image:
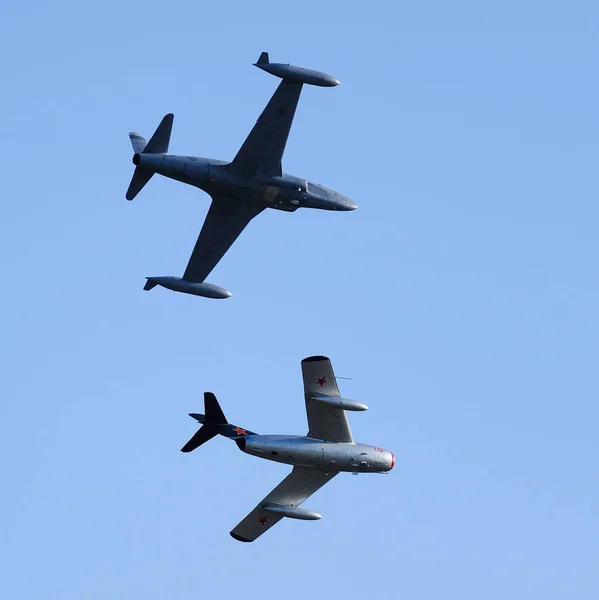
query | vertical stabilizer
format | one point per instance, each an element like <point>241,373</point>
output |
<point>213,412</point>
<point>263,60</point>
<point>159,142</point>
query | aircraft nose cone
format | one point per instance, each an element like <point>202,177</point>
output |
<point>347,204</point>
<point>344,203</point>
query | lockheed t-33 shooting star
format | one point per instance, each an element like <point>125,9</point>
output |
<point>328,449</point>
<point>240,189</point>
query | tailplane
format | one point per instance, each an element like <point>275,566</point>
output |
<point>158,144</point>
<point>214,423</point>
<point>138,142</point>
<point>140,177</point>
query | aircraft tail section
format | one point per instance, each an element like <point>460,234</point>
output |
<point>140,177</point>
<point>158,144</point>
<point>138,142</point>
<point>214,423</point>
<point>214,413</point>
<point>263,59</point>
<point>203,435</point>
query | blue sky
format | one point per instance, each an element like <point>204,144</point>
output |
<point>461,298</point>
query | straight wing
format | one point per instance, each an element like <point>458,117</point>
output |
<point>324,422</point>
<point>225,220</point>
<point>263,149</point>
<point>299,485</point>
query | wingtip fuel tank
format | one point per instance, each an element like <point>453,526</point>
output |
<point>178,284</point>
<point>297,74</point>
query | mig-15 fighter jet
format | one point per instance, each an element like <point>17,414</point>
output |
<point>325,451</point>
<point>240,189</point>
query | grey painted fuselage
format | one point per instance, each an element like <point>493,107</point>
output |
<point>307,452</point>
<point>287,193</point>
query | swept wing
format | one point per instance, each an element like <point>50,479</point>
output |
<point>325,422</point>
<point>299,485</point>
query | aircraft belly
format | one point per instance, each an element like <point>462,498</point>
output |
<point>337,456</point>
<point>195,174</point>
<point>306,452</point>
<point>298,451</point>
<point>277,193</point>
<point>188,169</point>
<point>317,454</point>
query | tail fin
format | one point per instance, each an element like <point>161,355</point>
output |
<point>158,144</point>
<point>213,422</point>
<point>213,418</point>
<point>214,413</point>
<point>263,60</point>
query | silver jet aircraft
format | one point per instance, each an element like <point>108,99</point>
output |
<point>240,189</point>
<point>328,449</point>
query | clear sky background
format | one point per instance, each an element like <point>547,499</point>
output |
<point>461,298</point>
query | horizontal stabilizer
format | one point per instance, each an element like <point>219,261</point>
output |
<point>198,417</point>
<point>137,141</point>
<point>203,435</point>
<point>159,142</point>
<point>140,178</point>
<point>150,285</point>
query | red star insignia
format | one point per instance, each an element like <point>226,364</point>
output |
<point>262,520</point>
<point>240,431</point>
<point>321,381</point>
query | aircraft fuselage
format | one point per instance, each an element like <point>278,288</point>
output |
<point>307,452</point>
<point>286,193</point>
